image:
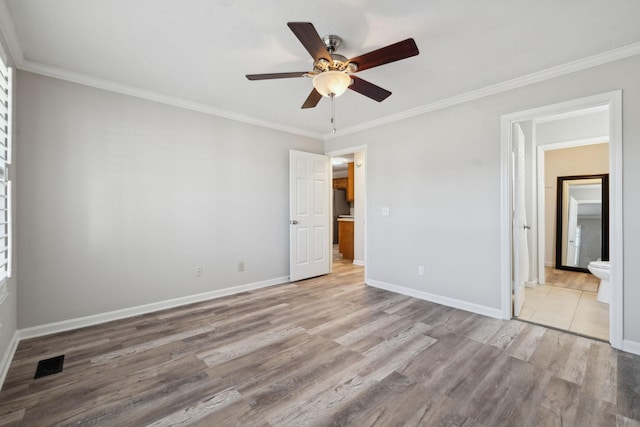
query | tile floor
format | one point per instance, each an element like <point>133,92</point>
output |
<point>569,309</point>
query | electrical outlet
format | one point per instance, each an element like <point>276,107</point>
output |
<point>241,266</point>
<point>198,271</point>
<point>421,270</point>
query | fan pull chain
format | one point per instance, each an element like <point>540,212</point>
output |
<point>333,112</point>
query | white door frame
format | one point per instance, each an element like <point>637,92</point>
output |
<point>519,224</point>
<point>614,101</point>
<point>350,150</point>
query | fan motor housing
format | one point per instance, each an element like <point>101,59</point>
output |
<point>339,62</point>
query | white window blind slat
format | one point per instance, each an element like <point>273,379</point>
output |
<point>9,118</point>
<point>6,76</point>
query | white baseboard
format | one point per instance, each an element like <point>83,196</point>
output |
<point>81,322</point>
<point>631,346</point>
<point>358,262</point>
<point>438,299</point>
<point>8,357</point>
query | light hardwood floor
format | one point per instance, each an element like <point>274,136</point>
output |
<point>325,351</point>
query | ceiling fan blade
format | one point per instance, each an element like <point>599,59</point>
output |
<point>369,89</point>
<point>308,36</point>
<point>394,52</point>
<point>276,75</point>
<point>313,99</point>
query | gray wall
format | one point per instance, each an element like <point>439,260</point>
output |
<point>572,129</point>
<point>423,168</point>
<point>121,198</point>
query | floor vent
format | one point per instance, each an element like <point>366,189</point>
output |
<point>49,366</point>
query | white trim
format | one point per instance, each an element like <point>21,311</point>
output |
<point>616,235</point>
<point>348,150</point>
<point>81,322</point>
<point>603,139</point>
<point>539,76</point>
<point>9,32</point>
<point>614,101</point>
<point>631,346</point>
<point>8,357</point>
<point>505,217</point>
<point>358,262</point>
<point>438,299</point>
<point>9,228</point>
<point>571,114</point>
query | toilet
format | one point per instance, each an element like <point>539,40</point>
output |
<point>600,269</point>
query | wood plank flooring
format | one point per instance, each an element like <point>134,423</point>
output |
<point>324,351</point>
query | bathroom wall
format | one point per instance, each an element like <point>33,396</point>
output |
<point>584,160</point>
<point>591,236</point>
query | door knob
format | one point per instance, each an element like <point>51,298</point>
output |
<point>293,222</point>
<point>527,227</point>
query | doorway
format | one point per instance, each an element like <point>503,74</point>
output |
<point>516,286</point>
<point>349,206</point>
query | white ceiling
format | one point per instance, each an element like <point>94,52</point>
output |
<point>196,53</point>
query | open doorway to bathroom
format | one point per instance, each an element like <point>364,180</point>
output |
<point>572,174</point>
<point>550,279</point>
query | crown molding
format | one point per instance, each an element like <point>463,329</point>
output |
<point>108,85</point>
<point>8,31</point>
<point>539,76</point>
<point>10,36</point>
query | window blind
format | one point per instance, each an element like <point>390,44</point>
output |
<point>5,184</point>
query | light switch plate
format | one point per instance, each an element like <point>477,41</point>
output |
<point>385,211</point>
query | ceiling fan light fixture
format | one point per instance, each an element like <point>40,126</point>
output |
<point>331,82</point>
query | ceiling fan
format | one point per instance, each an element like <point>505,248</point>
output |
<point>333,73</point>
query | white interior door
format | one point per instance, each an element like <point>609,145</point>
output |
<point>520,227</point>
<point>309,215</point>
<point>572,237</point>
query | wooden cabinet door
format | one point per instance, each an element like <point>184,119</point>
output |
<point>345,239</point>
<point>340,183</point>
<point>350,182</point>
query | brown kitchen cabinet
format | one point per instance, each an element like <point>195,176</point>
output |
<point>350,180</point>
<point>340,183</point>
<point>345,239</point>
